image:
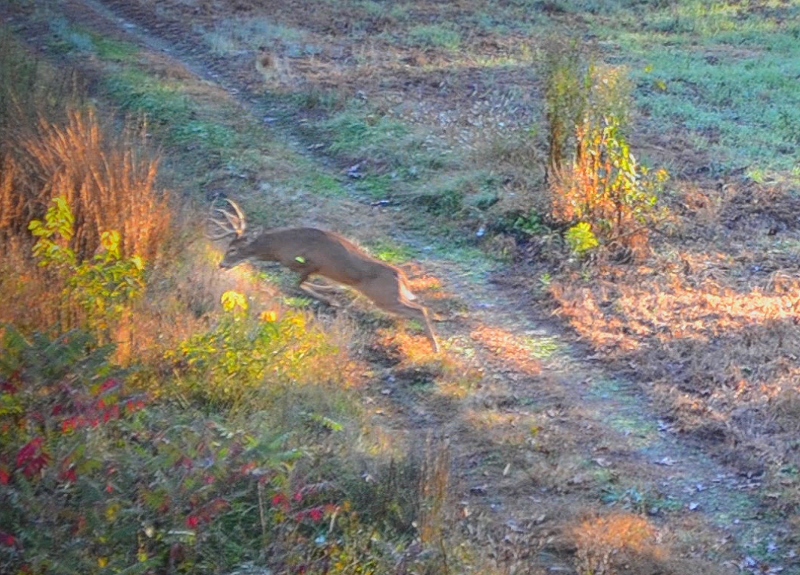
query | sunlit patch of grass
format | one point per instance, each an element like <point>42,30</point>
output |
<point>392,253</point>
<point>509,347</point>
<point>605,542</point>
<point>544,347</point>
<point>414,349</point>
<point>423,283</point>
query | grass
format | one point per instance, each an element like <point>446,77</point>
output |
<point>722,74</point>
<point>713,97</point>
<point>358,132</point>
<point>234,36</point>
<point>434,36</point>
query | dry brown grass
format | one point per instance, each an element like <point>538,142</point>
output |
<point>711,327</point>
<point>26,290</point>
<point>434,487</point>
<point>606,543</point>
<point>109,182</point>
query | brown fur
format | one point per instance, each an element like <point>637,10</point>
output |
<point>310,251</point>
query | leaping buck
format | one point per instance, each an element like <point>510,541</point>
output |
<point>309,251</point>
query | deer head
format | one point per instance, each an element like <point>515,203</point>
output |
<point>234,225</point>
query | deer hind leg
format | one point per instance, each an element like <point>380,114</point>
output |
<point>411,310</point>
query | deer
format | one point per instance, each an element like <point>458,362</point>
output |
<point>310,251</point>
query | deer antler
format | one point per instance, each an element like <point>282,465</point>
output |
<point>235,224</point>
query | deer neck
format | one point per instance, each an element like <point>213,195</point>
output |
<point>264,247</point>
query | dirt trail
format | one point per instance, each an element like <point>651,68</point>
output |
<point>538,389</point>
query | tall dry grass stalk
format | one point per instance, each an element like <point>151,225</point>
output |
<point>434,488</point>
<point>109,182</point>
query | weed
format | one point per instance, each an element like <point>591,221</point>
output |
<point>580,239</point>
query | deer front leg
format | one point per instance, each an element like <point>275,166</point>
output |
<point>315,294</point>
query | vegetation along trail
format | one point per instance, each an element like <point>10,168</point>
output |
<point>564,413</point>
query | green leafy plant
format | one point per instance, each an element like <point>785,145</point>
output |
<point>235,359</point>
<point>530,224</point>
<point>97,292</point>
<point>580,239</point>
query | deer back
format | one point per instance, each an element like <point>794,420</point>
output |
<point>313,251</point>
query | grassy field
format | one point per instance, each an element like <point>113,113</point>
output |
<point>161,416</point>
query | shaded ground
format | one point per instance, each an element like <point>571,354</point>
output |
<point>543,434</point>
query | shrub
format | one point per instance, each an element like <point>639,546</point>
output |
<point>96,292</point>
<point>242,354</point>
<point>94,477</point>
<point>593,176</point>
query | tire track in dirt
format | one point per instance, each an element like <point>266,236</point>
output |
<point>603,422</point>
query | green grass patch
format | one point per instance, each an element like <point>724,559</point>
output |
<point>67,38</point>
<point>391,252</point>
<point>324,184</point>
<point>164,103</point>
<point>377,186</point>
<point>745,107</point>
<point>113,50</point>
<point>722,72</point>
<point>357,132</point>
<point>434,36</point>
